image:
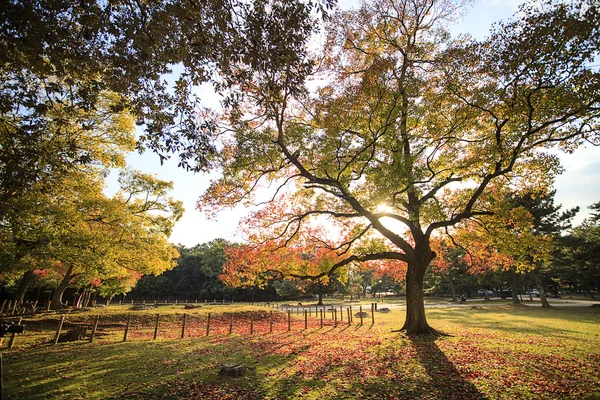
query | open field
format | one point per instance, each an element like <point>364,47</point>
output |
<point>499,352</point>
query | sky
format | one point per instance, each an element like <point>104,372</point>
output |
<point>578,185</point>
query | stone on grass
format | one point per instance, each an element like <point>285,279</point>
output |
<point>141,307</point>
<point>232,370</point>
<point>384,310</point>
<point>363,314</point>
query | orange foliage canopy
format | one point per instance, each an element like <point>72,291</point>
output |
<point>255,264</point>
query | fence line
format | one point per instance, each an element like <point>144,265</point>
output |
<point>265,322</point>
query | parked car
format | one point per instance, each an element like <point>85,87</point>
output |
<point>482,292</point>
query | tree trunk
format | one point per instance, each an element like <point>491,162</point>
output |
<point>92,298</point>
<point>416,322</point>
<point>58,293</point>
<point>540,285</point>
<point>452,288</point>
<point>320,302</point>
<point>26,281</point>
<point>514,288</point>
<point>78,297</point>
<point>502,295</point>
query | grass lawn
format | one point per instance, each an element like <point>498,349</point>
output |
<point>500,352</point>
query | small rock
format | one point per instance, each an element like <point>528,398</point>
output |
<point>384,310</point>
<point>363,314</point>
<point>192,306</point>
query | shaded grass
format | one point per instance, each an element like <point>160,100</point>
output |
<point>496,353</point>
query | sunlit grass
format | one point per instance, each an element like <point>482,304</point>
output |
<point>500,352</point>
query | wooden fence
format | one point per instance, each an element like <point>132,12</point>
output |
<point>285,319</point>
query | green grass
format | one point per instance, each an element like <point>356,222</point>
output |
<point>500,352</point>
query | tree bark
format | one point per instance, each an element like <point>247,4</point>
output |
<point>452,288</point>
<point>514,288</point>
<point>26,281</point>
<point>58,293</point>
<point>416,322</point>
<point>320,302</point>
<point>540,285</point>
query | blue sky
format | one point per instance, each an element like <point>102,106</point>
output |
<point>577,186</point>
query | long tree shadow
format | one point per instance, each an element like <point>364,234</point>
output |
<point>446,382</point>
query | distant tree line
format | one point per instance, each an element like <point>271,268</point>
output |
<point>563,259</point>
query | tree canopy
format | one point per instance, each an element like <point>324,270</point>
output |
<point>411,126</point>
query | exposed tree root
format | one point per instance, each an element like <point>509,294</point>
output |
<point>426,331</point>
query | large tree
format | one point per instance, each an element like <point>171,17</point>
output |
<point>45,164</point>
<point>98,238</point>
<point>413,131</point>
<point>548,221</point>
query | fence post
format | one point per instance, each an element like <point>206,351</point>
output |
<point>373,307</point>
<point>94,328</point>
<point>208,325</point>
<point>156,326</point>
<point>335,317</point>
<point>349,316</point>
<point>11,341</point>
<point>289,321</point>
<point>60,324</point>
<point>183,326</point>
<point>127,328</point>
<point>341,313</point>
<point>321,318</point>
<point>251,324</point>
<point>270,321</point>
<point>361,316</point>
<point>231,324</point>
<point>305,319</point>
